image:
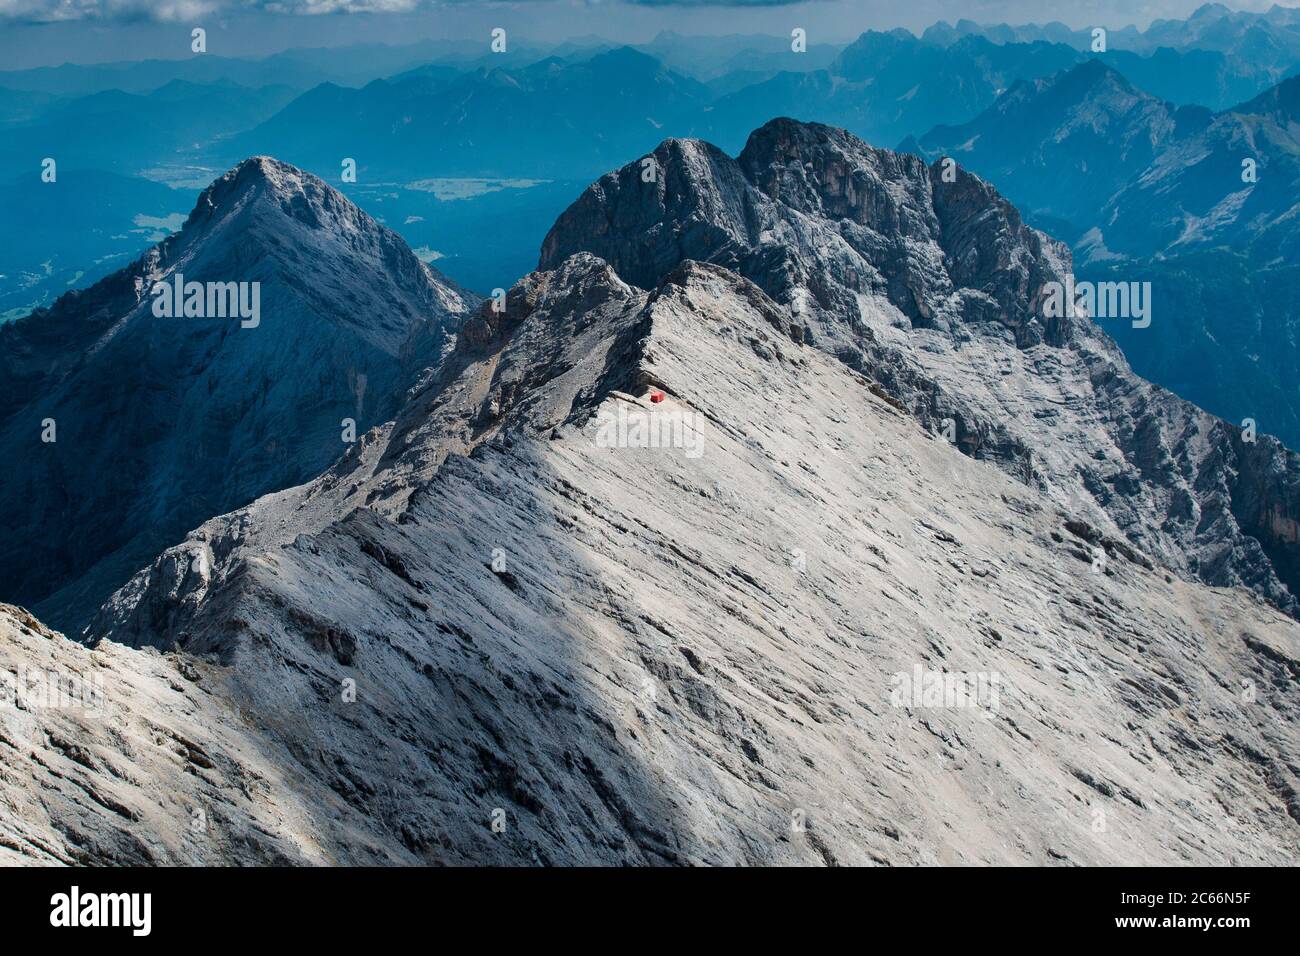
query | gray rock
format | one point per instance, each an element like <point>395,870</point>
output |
<point>644,656</point>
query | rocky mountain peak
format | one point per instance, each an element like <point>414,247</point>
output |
<point>257,172</point>
<point>288,313</point>
<point>261,178</point>
<point>1207,11</point>
<point>929,282</point>
<point>254,197</point>
<point>820,220</point>
<point>829,171</point>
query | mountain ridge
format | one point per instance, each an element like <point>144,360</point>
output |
<point>570,700</point>
<point>881,256</point>
<point>499,630</point>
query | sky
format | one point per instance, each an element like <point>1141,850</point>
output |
<point>50,32</point>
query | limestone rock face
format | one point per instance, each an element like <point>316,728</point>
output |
<point>119,757</point>
<point>935,290</point>
<point>162,422</point>
<point>570,651</point>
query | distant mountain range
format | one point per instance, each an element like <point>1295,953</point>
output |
<point>1204,205</point>
<point>1128,153</point>
<point>562,116</point>
<point>550,119</point>
<point>1270,38</point>
<point>297,68</point>
<point>113,131</point>
<point>1088,147</point>
<point>1236,182</point>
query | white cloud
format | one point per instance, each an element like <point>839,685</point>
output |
<point>53,11</point>
<point>983,11</point>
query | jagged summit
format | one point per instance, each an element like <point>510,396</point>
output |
<point>246,178</point>
<point>927,280</point>
<point>299,194</point>
<point>1207,10</point>
<point>1091,84</point>
<point>257,169</point>
<point>883,223</point>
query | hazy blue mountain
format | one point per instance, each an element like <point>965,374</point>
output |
<point>554,119</point>
<point>127,132</point>
<point>570,116</point>
<point>1215,58</point>
<point>881,87</point>
<point>944,33</point>
<point>1063,146</point>
<point>885,86</point>
<point>1145,177</point>
<point>909,82</point>
<point>1270,38</point>
<point>72,232</point>
<point>357,64</point>
<point>1151,192</point>
<point>298,68</point>
<point>1196,194</point>
<point>1224,257</point>
<point>713,57</point>
<point>738,80</point>
<point>72,80</point>
<point>559,118</point>
<point>23,106</point>
<point>1196,77</point>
